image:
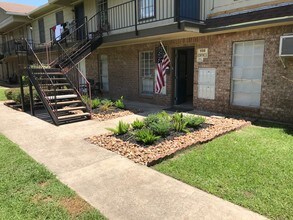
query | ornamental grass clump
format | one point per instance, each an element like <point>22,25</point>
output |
<point>122,128</point>
<point>161,127</point>
<point>96,103</point>
<point>137,124</point>
<point>179,124</point>
<point>146,136</point>
<point>194,121</point>
<point>119,103</point>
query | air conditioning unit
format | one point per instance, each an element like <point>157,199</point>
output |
<point>286,46</point>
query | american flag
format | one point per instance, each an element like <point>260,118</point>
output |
<point>163,63</point>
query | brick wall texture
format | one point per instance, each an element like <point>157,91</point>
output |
<point>277,82</point>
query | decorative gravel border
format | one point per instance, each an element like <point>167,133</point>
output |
<point>112,114</point>
<point>168,147</point>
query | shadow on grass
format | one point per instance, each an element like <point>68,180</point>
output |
<point>287,128</point>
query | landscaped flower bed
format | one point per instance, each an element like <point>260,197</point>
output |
<point>106,109</point>
<point>160,136</point>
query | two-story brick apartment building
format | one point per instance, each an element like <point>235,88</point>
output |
<point>224,54</point>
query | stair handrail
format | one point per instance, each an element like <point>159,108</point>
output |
<point>89,101</point>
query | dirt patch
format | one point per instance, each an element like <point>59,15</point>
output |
<point>43,184</point>
<point>167,147</point>
<point>75,205</point>
<point>41,198</point>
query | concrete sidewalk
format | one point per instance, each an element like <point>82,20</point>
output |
<point>117,187</point>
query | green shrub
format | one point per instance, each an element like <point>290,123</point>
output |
<point>162,127</point>
<point>179,124</point>
<point>119,103</point>
<point>193,121</point>
<point>106,105</point>
<point>96,103</point>
<point>15,95</point>
<point>154,118</point>
<point>86,99</point>
<point>122,128</point>
<point>146,136</point>
<point>137,124</point>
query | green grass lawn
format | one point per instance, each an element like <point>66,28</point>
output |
<point>29,191</point>
<point>252,167</point>
<point>2,95</point>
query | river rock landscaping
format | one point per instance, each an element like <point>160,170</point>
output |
<point>106,109</point>
<point>161,135</point>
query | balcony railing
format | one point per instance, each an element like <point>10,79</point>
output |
<point>131,16</point>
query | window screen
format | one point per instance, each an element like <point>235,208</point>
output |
<point>59,17</point>
<point>247,73</point>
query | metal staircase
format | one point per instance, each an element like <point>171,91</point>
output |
<point>61,86</point>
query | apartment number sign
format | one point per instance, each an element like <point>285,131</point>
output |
<point>202,53</point>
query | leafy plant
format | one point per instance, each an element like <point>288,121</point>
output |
<point>162,127</point>
<point>119,103</point>
<point>15,95</point>
<point>137,124</point>
<point>96,103</point>
<point>106,105</point>
<point>122,128</point>
<point>193,121</point>
<point>146,136</point>
<point>154,118</point>
<point>179,124</point>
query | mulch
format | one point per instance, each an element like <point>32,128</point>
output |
<point>126,146</point>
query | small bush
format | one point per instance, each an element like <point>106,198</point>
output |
<point>119,103</point>
<point>146,136</point>
<point>194,121</point>
<point>106,105</point>
<point>154,118</point>
<point>15,95</point>
<point>122,128</point>
<point>179,124</point>
<point>137,124</point>
<point>96,103</point>
<point>162,127</point>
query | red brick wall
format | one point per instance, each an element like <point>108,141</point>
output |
<point>277,82</point>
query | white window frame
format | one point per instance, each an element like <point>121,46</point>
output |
<point>102,74</point>
<point>147,66</point>
<point>147,9</point>
<point>232,102</point>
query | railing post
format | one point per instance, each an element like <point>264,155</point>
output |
<point>21,92</point>
<point>177,12</point>
<point>31,98</point>
<point>135,16</point>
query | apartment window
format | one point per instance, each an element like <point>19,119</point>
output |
<point>42,30</point>
<point>104,73</point>
<point>146,72</point>
<point>247,73</point>
<point>146,9</point>
<point>59,17</point>
<point>102,6</point>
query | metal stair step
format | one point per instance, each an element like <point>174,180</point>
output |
<point>67,102</point>
<point>58,97</point>
<point>57,90</point>
<point>73,116</point>
<point>57,84</point>
<point>49,74</point>
<point>71,109</point>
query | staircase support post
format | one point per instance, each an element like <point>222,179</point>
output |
<point>21,92</point>
<point>32,104</point>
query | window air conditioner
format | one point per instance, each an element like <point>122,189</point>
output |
<point>286,46</point>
